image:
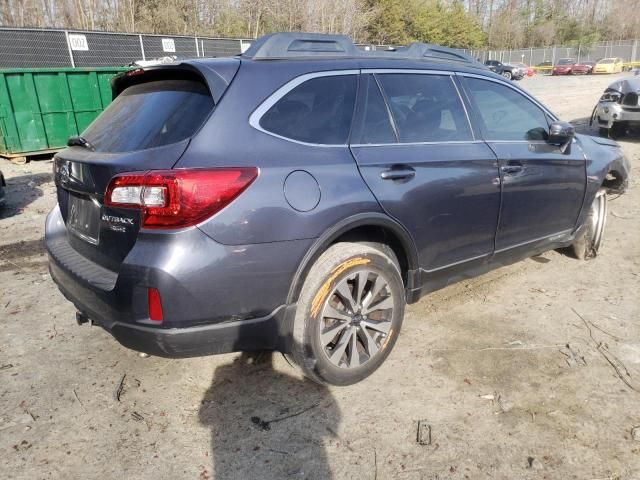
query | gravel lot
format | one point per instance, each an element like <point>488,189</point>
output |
<point>519,372</point>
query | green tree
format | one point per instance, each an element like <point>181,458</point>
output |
<point>387,24</point>
<point>449,25</point>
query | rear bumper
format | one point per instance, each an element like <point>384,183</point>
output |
<point>215,298</point>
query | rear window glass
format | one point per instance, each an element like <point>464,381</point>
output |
<point>373,125</point>
<point>426,108</point>
<point>316,111</point>
<point>151,115</point>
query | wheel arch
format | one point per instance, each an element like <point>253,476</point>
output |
<point>371,227</point>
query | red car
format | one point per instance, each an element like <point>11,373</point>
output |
<point>563,67</point>
<point>525,68</point>
<point>583,68</point>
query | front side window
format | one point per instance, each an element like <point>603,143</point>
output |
<point>507,114</point>
<point>316,111</point>
<point>426,108</point>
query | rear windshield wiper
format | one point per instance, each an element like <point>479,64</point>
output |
<point>79,141</point>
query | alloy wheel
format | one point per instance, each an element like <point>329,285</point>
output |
<point>356,319</point>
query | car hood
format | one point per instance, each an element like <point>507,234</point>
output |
<point>605,141</point>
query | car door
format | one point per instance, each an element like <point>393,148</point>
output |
<point>418,154</point>
<point>542,186</point>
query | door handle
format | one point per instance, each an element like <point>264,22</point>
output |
<point>404,173</point>
<point>511,169</point>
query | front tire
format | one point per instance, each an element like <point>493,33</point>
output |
<point>349,313</point>
<point>589,242</point>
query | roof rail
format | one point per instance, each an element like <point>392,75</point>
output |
<point>305,45</point>
<point>430,50</point>
<point>299,44</point>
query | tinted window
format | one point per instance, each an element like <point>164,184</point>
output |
<point>426,108</point>
<point>373,124</point>
<point>150,115</point>
<point>316,111</point>
<point>506,114</point>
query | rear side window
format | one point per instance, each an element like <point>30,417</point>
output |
<point>507,114</point>
<point>150,115</point>
<point>373,123</point>
<point>317,111</point>
<point>426,108</point>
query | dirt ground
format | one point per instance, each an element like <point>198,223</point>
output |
<point>529,372</point>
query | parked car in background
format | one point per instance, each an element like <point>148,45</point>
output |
<point>508,71</point>
<point>3,184</point>
<point>528,71</point>
<point>564,66</point>
<point>618,109</point>
<point>297,196</point>
<point>583,68</point>
<point>609,65</point>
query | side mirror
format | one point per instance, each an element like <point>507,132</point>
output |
<point>561,134</point>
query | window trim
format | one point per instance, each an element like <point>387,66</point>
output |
<point>548,113</point>
<point>442,73</point>
<point>275,97</point>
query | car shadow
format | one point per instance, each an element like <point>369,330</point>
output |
<point>583,127</point>
<point>267,424</point>
<point>21,191</point>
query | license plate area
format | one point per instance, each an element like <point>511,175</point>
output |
<point>83,218</point>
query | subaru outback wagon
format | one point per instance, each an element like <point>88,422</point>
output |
<point>296,197</point>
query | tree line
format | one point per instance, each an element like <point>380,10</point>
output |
<point>494,24</point>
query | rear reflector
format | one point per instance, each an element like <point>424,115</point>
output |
<point>178,198</point>
<point>155,305</point>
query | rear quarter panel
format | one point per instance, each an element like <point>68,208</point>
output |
<point>262,214</point>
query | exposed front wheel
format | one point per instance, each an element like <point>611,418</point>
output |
<point>617,130</point>
<point>507,75</point>
<point>349,313</point>
<point>589,242</point>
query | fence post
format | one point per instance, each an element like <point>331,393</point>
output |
<point>197,47</point>
<point>579,46</point>
<point>553,55</point>
<point>531,57</point>
<point>634,50</point>
<point>66,35</point>
<point>142,47</point>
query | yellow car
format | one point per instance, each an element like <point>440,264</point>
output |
<point>609,65</point>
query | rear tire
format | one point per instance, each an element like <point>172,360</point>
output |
<point>507,75</point>
<point>349,313</point>
<point>587,245</point>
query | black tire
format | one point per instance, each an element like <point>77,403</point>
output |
<point>588,243</point>
<point>603,132</point>
<point>617,130</point>
<point>332,271</point>
<point>507,74</point>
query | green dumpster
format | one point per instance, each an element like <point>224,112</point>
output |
<point>40,108</point>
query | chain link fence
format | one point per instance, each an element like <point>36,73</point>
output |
<point>628,50</point>
<point>33,48</point>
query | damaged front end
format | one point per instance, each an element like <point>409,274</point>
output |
<point>618,109</point>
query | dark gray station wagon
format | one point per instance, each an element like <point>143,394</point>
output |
<point>296,197</point>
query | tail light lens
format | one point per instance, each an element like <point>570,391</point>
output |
<point>178,198</point>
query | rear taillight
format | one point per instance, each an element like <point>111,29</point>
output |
<point>178,198</point>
